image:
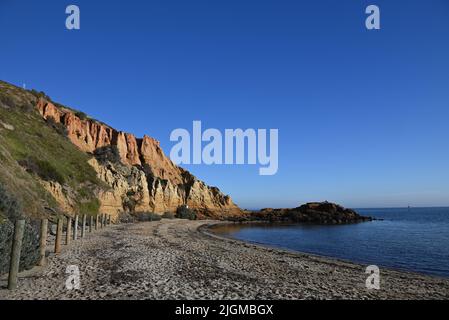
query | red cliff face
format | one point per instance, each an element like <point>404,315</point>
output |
<point>160,165</point>
<point>157,184</point>
<point>89,135</point>
<point>127,146</point>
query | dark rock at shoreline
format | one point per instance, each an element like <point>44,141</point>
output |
<point>313,212</point>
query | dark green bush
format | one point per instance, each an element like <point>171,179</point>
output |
<point>27,107</point>
<point>107,153</point>
<point>10,211</point>
<point>183,212</point>
<point>30,245</point>
<point>57,126</point>
<point>81,115</point>
<point>40,94</point>
<point>89,207</point>
<point>10,208</point>
<point>42,168</point>
<point>168,215</point>
<point>126,217</point>
<point>130,193</point>
<point>146,216</point>
<point>129,204</point>
<point>6,100</point>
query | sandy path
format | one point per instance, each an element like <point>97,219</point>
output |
<point>171,259</point>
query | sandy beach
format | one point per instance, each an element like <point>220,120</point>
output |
<point>179,259</point>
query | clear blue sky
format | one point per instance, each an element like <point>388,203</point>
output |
<point>363,116</point>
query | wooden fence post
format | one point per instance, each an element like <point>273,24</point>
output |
<point>83,230</point>
<point>96,222</point>
<point>68,235</point>
<point>91,223</point>
<point>58,236</point>
<point>101,221</point>
<point>75,228</point>
<point>19,229</point>
<point>43,243</point>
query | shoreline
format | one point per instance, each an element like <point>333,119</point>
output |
<point>204,229</point>
<point>175,259</point>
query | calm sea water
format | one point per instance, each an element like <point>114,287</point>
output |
<point>415,239</point>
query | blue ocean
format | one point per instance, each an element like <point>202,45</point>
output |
<point>413,239</point>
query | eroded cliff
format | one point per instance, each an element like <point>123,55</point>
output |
<point>139,175</point>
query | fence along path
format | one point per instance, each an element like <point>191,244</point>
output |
<point>70,224</point>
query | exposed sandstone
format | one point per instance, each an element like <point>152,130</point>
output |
<point>145,179</point>
<point>64,199</point>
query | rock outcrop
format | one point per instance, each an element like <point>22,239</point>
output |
<point>313,212</point>
<point>143,178</point>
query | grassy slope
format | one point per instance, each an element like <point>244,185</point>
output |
<point>53,154</point>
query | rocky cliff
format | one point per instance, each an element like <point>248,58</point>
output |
<point>139,175</point>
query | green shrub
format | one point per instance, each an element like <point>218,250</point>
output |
<point>10,211</point>
<point>6,100</point>
<point>89,207</point>
<point>40,94</point>
<point>81,115</point>
<point>183,212</point>
<point>10,208</point>
<point>126,217</point>
<point>168,215</point>
<point>147,216</point>
<point>129,204</point>
<point>27,107</point>
<point>84,193</point>
<point>57,126</point>
<point>130,193</point>
<point>30,245</point>
<point>107,153</point>
<point>42,168</point>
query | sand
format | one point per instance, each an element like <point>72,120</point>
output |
<point>178,259</point>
